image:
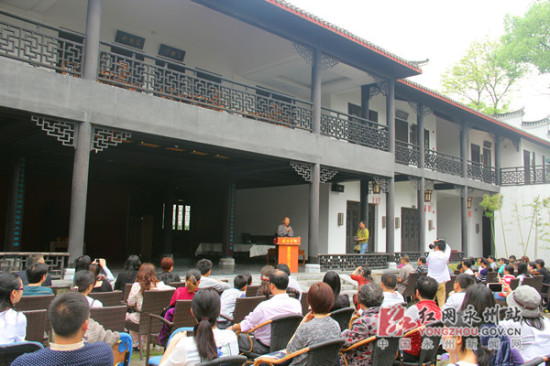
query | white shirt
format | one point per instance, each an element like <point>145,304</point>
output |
<point>437,264</point>
<point>228,301</point>
<point>534,342</point>
<point>209,282</point>
<point>292,283</point>
<point>94,303</point>
<point>392,299</point>
<point>186,353</point>
<point>469,272</point>
<point>13,326</point>
<point>454,301</point>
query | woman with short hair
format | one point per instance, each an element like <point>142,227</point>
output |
<point>167,276</point>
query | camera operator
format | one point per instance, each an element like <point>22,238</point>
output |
<point>437,267</point>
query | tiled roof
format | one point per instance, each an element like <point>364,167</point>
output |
<point>530,124</point>
<point>343,32</point>
<point>519,112</point>
<point>486,117</point>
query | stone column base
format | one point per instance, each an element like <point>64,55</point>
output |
<point>227,261</point>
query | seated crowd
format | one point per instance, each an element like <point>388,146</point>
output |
<point>505,317</point>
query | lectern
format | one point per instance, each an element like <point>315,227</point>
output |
<point>288,251</point>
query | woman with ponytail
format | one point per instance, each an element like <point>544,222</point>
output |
<point>192,280</point>
<point>208,342</point>
<point>13,324</point>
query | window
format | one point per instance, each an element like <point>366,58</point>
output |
<point>181,217</point>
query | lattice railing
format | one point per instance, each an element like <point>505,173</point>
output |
<point>480,172</point>
<point>443,163</point>
<point>40,44</point>
<point>354,129</point>
<point>539,174</point>
<point>16,261</point>
<point>407,154</point>
<point>178,82</point>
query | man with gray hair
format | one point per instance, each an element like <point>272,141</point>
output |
<point>404,272</point>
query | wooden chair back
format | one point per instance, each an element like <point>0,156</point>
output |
<point>111,298</point>
<point>111,317</point>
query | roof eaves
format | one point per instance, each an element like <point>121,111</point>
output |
<point>344,33</point>
<point>491,119</point>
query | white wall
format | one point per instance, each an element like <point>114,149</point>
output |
<point>475,228</point>
<point>338,204</point>
<point>516,217</point>
<point>478,137</point>
<point>260,210</point>
<point>449,227</point>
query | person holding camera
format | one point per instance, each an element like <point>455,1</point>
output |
<point>437,267</point>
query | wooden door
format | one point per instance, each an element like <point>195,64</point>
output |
<point>352,224</point>
<point>409,229</point>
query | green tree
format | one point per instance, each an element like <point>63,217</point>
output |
<point>483,78</point>
<point>527,38</point>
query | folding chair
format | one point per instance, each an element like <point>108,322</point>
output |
<point>9,352</point>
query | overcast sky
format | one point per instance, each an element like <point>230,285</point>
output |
<point>441,30</point>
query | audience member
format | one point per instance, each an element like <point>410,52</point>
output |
<point>146,279</point>
<point>264,290</point>
<point>389,283</point>
<point>370,298</point>
<point>459,268</point>
<point>36,275</point>
<point>248,278</point>
<point>229,299</point>
<point>85,281</point>
<point>332,279</point>
<point>101,283</point>
<point>532,267</point>
<point>362,276</point>
<point>475,264</point>
<point>505,282</point>
<point>33,259</point>
<point>82,262</point>
<point>205,268</point>
<point>459,344</point>
<point>512,260</point>
<point>13,324</point>
<point>523,272</point>
<point>105,272</point>
<point>534,328</point>
<point>279,304</point>
<point>479,300</point>
<point>492,263</point>
<point>437,267</point>
<point>128,275</point>
<point>404,272</point>
<point>545,275</point>
<point>208,342</point>
<point>167,276</point>
<point>525,259</point>
<point>97,333</point>
<point>69,315</point>
<point>467,267</point>
<point>424,312</point>
<point>294,289</point>
<point>461,284</point>
<point>502,262</point>
<point>422,268</point>
<point>317,326</point>
<point>192,282</point>
<point>482,274</point>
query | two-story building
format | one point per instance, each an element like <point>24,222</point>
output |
<point>195,126</point>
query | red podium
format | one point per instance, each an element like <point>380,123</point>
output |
<point>288,251</point>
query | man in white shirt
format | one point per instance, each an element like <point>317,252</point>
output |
<point>388,283</point>
<point>280,304</point>
<point>205,268</point>
<point>467,266</point>
<point>437,267</point>
<point>455,300</point>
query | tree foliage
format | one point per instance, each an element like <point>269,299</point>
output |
<point>483,78</point>
<point>527,38</point>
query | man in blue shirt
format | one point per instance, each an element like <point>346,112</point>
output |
<point>69,314</point>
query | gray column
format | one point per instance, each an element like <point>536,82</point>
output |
<point>16,203</point>
<point>316,91</point>
<point>497,160</point>
<point>390,216</point>
<point>313,235</point>
<point>364,207</point>
<point>365,99</point>
<point>464,220</point>
<point>464,149</point>
<point>390,114</point>
<point>420,134</point>
<point>91,48</point>
<point>421,215</point>
<point>79,190</point>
